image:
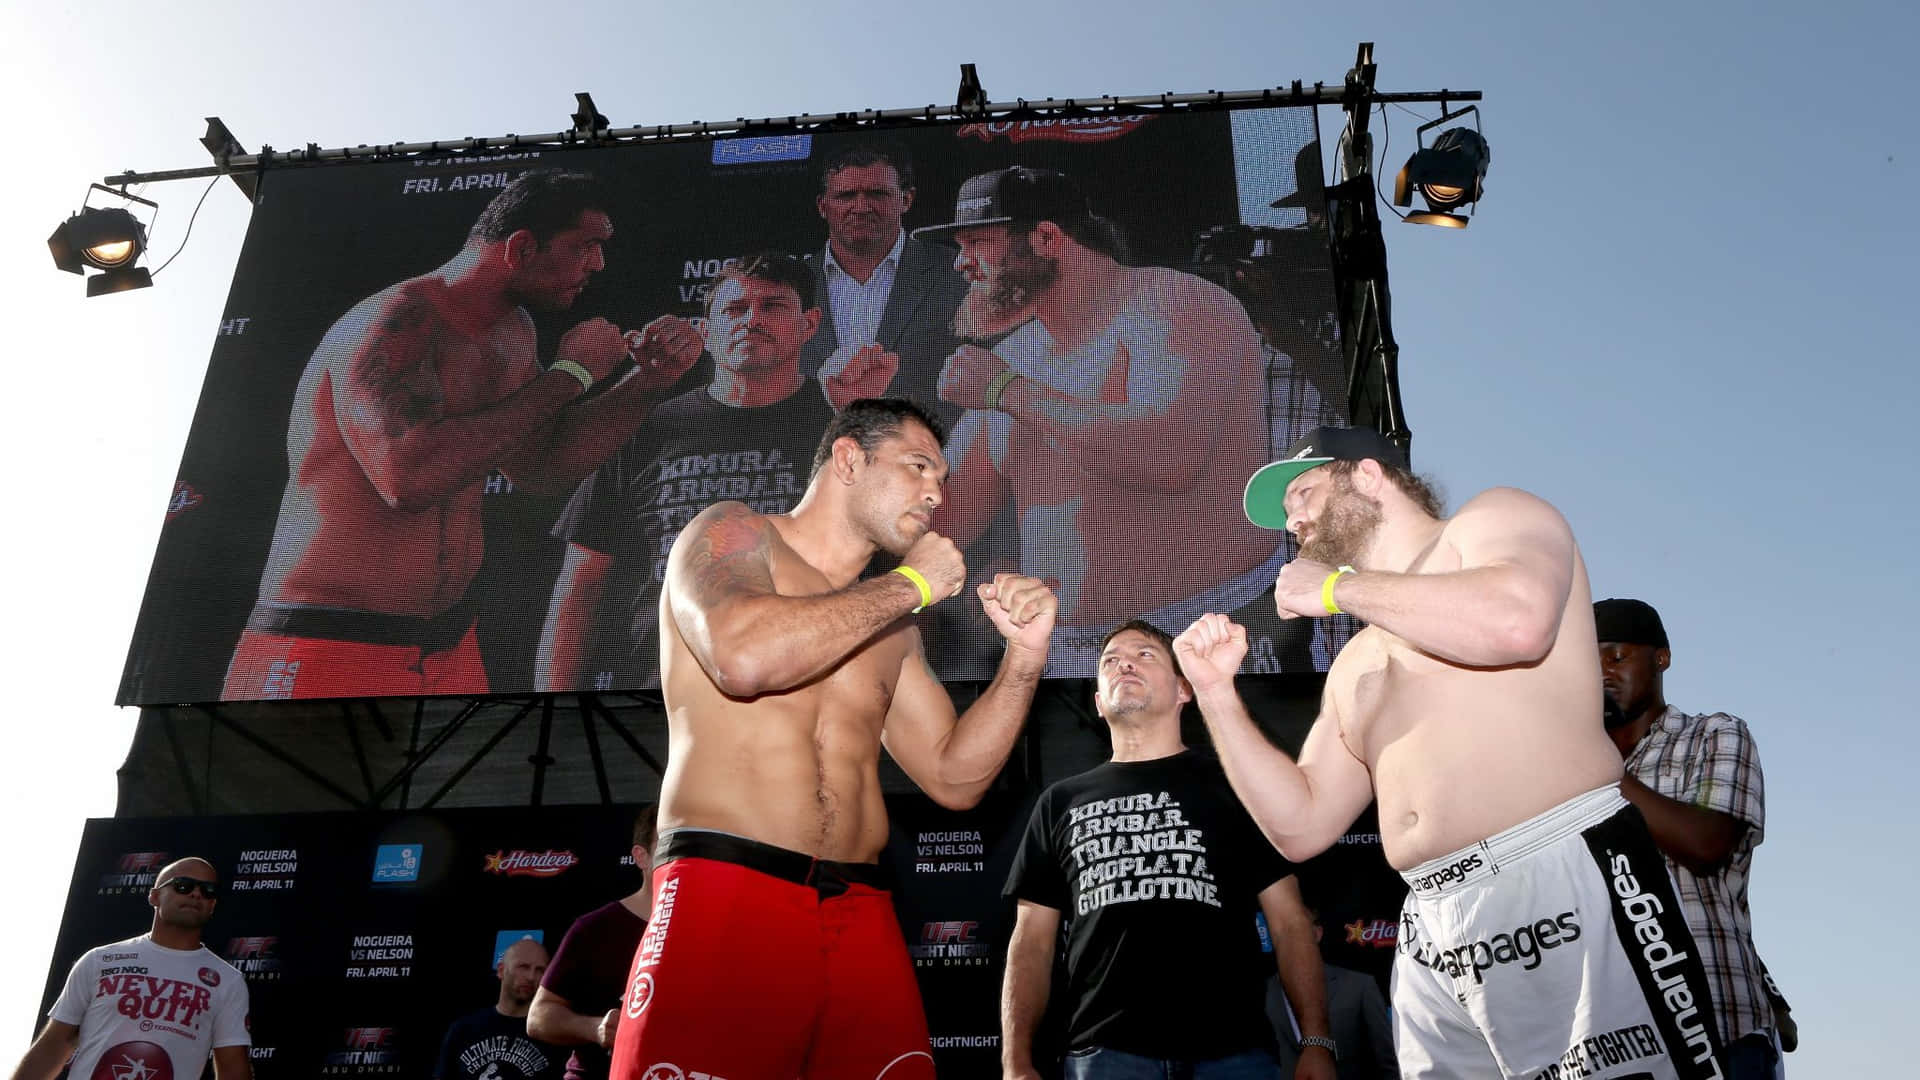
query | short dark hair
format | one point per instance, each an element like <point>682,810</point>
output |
<point>769,266</point>
<point>646,826</point>
<point>544,203</point>
<point>1095,233</point>
<point>1142,626</point>
<point>860,155</point>
<point>1424,493</point>
<point>870,420</point>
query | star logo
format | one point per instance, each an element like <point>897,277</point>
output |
<point>1357,932</point>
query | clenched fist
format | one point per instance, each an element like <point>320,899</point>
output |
<point>663,350</point>
<point>866,374</point>
<point>966,374</point>
<point>1022,609</point>
<point>937,559</point>
<point>596,345</point>
<point>1296,594</point>
<point>1210,651</point>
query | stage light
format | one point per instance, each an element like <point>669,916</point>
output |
<point>1448,175</point>
<point>109,239</point>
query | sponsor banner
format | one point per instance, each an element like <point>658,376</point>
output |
<point>1218,344</point>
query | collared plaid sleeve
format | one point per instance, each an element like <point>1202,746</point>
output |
<point>1729,778</point>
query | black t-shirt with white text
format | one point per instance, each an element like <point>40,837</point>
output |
<point>689,453</point>
<point>1156,870</point>
<point>490,1046</point>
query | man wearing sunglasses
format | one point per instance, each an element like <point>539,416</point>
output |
<point>156,1005</point>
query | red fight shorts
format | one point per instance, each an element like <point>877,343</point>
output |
<point>766,964</point>
<point>269,667</point>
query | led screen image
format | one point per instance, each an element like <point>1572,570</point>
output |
<point>460,407</point>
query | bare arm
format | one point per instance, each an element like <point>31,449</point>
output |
<point>954,760</point>
<point>232,1063</point>
<point>49,1052</point>
<point>392,414</point>
<point>1502,607</point>
<point>561,662</point>
<point>551,1019</point>
<point>975,488</point>
<point>581,437</point>
<point>1699,839</point>
<point>1029,980</point>
<point>1300,808</point>
<point>588,431</point>
<point>1298,957</point>
<point>750,639</point>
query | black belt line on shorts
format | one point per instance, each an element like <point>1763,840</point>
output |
<point>824,876</point>
<point>436,634</point>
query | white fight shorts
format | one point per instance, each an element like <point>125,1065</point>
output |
<point>1551,951</point>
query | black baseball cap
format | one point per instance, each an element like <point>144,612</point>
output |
<point>1629,622</point>
<point>1307,185</point>
<point>1006,196</point>
<point>1265,500</point>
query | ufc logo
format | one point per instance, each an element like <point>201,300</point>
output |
<point>948,933</point>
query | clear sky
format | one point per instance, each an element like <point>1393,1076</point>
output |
<point>1683,316</point>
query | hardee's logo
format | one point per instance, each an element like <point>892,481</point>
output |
<point>518,863</point>
<point>1379,933</point>
<point>1075,129</point>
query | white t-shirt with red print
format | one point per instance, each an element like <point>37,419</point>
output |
<point>147,1012</point>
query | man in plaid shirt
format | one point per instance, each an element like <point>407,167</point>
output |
<point>1696,779</point>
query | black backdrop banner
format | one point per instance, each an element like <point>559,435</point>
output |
<point>1192,193</point>
<point>363,936</point>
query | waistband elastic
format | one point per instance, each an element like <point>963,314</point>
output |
<point>436,634</point>
<point>824,876</point>
<point>1475,863</point>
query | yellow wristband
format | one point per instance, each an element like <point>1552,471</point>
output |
<point>999,386</point>
<point>576,369</point>
<point>926,590</point>
<point>1326,590</point>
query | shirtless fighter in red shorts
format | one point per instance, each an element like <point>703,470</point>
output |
<point>411,400</point>
<point>774,952</point>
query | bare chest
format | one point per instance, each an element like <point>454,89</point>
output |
<point>475,373</point>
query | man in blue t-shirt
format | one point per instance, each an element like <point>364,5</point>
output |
<point>1157,875</point>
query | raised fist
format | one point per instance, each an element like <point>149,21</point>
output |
<point>966,374</point>
<point>1021,608</point>
<point>595,345</point>
<point>866,374</point>
<point>1296,593</point>
<point>663,350</point>
<point>1210,651</point>
<point>937,559</point>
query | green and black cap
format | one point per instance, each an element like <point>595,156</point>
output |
<point>1265,501</point>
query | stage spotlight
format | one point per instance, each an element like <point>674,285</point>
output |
<point>109,239</point>
<point>1449,174</point>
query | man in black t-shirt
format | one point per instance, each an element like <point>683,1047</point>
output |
<point>1157,874</point>
<point>493,1044</point>
<point>749,437</point>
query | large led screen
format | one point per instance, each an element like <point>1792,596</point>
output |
<point>460,407</point>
